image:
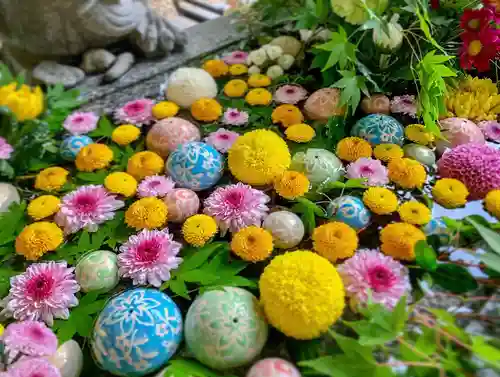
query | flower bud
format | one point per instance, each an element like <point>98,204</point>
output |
<point>392,41</point>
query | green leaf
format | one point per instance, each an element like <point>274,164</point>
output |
<point>351,86</point>
<point>199,276</point>
<point>309,221</point>
<point>235,281</point>
<point>84,241</point>
<point>425,256</point>
<point>371,334</point>
<point>324,365</point>
<point>198,256</point>
<point>189,368</point>
<point>356,183</point>
<point>94,307</point>
<point>5,75</point>
<point>104,128</point>
<point>178,287</point>
<point>456,279</point>
<point>95,178</point>
<point>491,260</point>
<point>491,237</point>
<point>65,330</point>
<point>341,50</point>
<point>84,325</point>
<point>400,315</point>
<point>5,275</point>
<point>486,351</point>
<point>318,211</point>
<point>6,169</point>
<point>353,347</point>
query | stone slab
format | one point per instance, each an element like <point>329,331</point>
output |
<point>195,12</point>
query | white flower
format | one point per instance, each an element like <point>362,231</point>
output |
<point>395,38</point>
<point>320,35</point>
<point>275,71</point>
<point>286,61</point>
<point>257,57</point>
<point>273,52</point>
<point>253,70</point>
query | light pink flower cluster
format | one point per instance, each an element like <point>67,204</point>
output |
<point>491,130</point>
<point>370,169</point>
<point>33,367</point>
<point>29,338</point>
<point>155,185</point>
<point>138,112</point>
<point>222,139</point>
<point>404,105</point>
<point>79,123</point>
<point>235,117</point>
<point>291,94</point>
<point>236,57</point>
<point>5,149</point>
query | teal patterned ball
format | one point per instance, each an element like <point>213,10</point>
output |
<point>349,210</point>
<point>379,129</point>
<point>72,144</point>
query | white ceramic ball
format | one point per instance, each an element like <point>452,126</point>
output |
<point>286,227</point>
<point>8,195</point>
<point>68,359</point>
<point>186,85</point>
<point>273,367</point>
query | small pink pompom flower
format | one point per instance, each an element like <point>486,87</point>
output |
<point>222,139</point>
<point>5,149</point>
<point>235,117</point>
<point>155,185</point>
<point>404,105</point>
<point>491,130</point>
<point>291,94</point>
<point>29,338</point>
<point>138,112</point>
<point>33,367</point>
<point>236,57</point>
<point>370,169</point>
<point>79,123</point>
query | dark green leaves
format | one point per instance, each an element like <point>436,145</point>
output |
<point>96,178</point>
<point>425,256</point>
<point>189,368</point>
<point>492,255</point>
<point>59,99</point>
<point>104,128</point>
<point>308,211</point>
<point>352,86</point>
<point>341,50</point>
<point>454,278</point>
<point>12,222</point>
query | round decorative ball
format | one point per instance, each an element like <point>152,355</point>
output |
<point>8,195</point>
<point>167,134</point>
<point>186,85</point>
<point>225,328</point>
<point>349,210</point>
<point>72,144</point>
<point>437,227</point>
<point>273,367</point>
<point>458,131</point>
<point>319,165</point>
<point>323,104</point>
<point>68,359</point>
<point>420,153</point>
<point>97,270</point>
<point>376,104</point>
<point>136,333</point>
<point>181,204</point>
<point>289,44</point>
<point>286,227</point>
<point>379,129</point>
<point>196,166</point>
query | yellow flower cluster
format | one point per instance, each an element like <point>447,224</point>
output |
<point>335,240</point>
<point>415,213</point>
<point>407,173</point>
<point>259,97</point>
<point>387,152</point>
<point>146,213</point>
<point>492,203</point>
<point>252,244</point>
<point>51,179</point>
<point>235,88</point>
<point>300,133</point>
<point>238,69</point>
<point>143,164</point>
<point>93,157</point>
<point>291,185</point>
<point>380,200</point>
<point>450,193</point>
<point>398,240</point>
<point>216,68</point>
<point>126,134</point>
<point>43,207</point>
<point>121,183</point>
<point>37,239</point>
<point>258,80</point>
<point>206,110</point>
<point>26,103</point>
<point>352,148</point>
<point>165,109</point>
<point>419,134</point>
<point>199,229</point>
<point>287,115</point>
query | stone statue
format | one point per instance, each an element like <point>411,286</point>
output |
<point>35,31</point>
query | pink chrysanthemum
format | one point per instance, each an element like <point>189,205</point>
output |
<point>86,208</point>
<point>5,149</point>
<point>236,57</point>
<point>43,292</point>
<point>222,139</point>
<point>33,367</point>
<point>29,338</point>
<point>236,206</point>
<point>370,169</point>
<point>475,165</point>
<point>79,123</point>
<point>235,117</point>
<point>404,105</point>
<point>155,185</point>
<point>291,94</point>
<point>148,257</point>
<point>370,272</point>
<point>491,130</point>
<point>138,112</point>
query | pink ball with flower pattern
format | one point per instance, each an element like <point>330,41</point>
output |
<point>458,131</point>
<point>273,367</point>
<point>167,134</point>
<point>181,204</point>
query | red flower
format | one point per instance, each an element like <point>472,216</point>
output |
<point>478,49</point>
<point>435,4</point>
<point>474,20</point>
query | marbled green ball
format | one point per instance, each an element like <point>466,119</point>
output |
<point>97,270</point>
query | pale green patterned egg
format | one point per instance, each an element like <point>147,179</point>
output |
<point>97,270</point>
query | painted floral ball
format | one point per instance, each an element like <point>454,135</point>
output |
<point>97,270</point>
<point>8,195</point>
<point>350,210</point>
<point>286,227</point>
<point>319,165</point>
<point>458,131</point>
<point>225,328</point>
<point>167,134</point>
<point>437,227</point>
<point>181,204</point>
<point>136,333</point>
<point>196,166</point>
<point>186,85</point>
<point>273,367</point>
<point>72,144</point>
<point>323,104</point>
<point>379,129</point>
<point>420,153</point>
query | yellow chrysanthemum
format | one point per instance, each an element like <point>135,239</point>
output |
<point>216,68</point>
<point>199,229</point>
<point>258,80</point>
<point>51,179</point>
<point>258,157</point>
<point>165,109</point>
<point>238,69</point>
<point>43,207</point>
<point>121,183</point>
<point>450,193</point>
<point>146,213</point>
<point>302,294</point>
<point>419,134</point>
<point>380,200</point>
<point>352,148</point>
<point>492,203</point>
<point>300,133</point>
<point>252,244</point>
<point>398,240</point>
<point>126,134</point>
<point>235,88</point>
<point>287,115</point>
<point>387,152</point>
<point>291,185</point>
<point>26,103</point>
<point>259,96</point>
<point>2,329</point>
<point>144,164</point>
<point>37,239</point>
<point>407,173</point>
<point>335,240</point>
<point>415,213</point>
<point>93,157</point>
<point>206,110</point>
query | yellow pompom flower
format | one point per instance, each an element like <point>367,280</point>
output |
<point>165,109</point>
<point>238,69</point>
<point>258,157</point>
<point>259,96</point>
<point>206,110</point>
<point>398,240</point>
<point>37,239</point>
<point>51,179</point>
<point>126,134</point>
<point>380,200</point>
<point>407,173</point>
<point>258,80</point>
<point>235,88</point>
<point>252,244</point>
<point>415,213</point>
<point>25,103</point>
<point>146,213</point>
<point>43,207</point>
<point>2,329</point>
<point>216,68</point>
<point>300,133</point>
<point>302,294</point>
<point>93,157</point>
<point>291,185</point>
<point>450,193</point>
<point>197,230</point>
<point>492,203</point>
<point>387,152</point>
<point>287,115</point>
<point>419,134</point>
<point>335,240</point>
<point>143,164</point>
<point>352,148</point>
<point>121,183</point>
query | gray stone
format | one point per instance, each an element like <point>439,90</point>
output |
<point>122,65</point>
<point>51,73</point>
<point>97,60</point>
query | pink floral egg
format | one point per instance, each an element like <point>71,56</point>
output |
<point>181,204</point>
<point>167,134</point>
<point>458,131</point>
<point>273,367</point>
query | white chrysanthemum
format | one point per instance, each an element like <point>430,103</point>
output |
<point>286,61</point>
<point>275,71</point>
<point>253,70</point>
<point>273,52</point>
<point>257,57</point>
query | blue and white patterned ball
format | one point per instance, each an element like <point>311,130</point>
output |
<point>437,227</point>
<point>196,166</point>
<point>137,333</point>
<point>379,129</point>
<point>72,145</point>
<point>350,210</point>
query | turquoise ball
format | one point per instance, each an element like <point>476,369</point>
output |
<point>137,332</point>
<point>350,210</point>
<point>379,129</point>
<point>437,227</point>
<point>72,144</point>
